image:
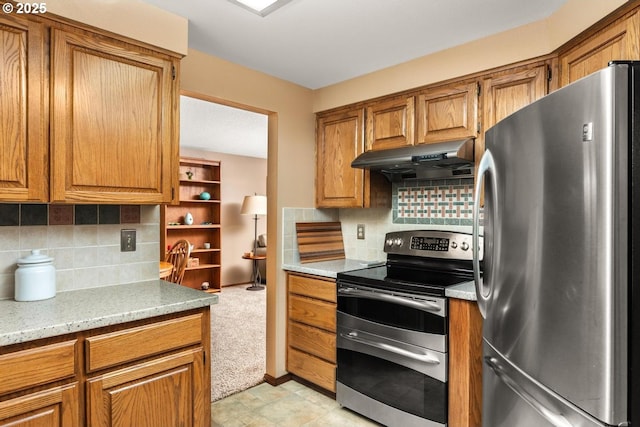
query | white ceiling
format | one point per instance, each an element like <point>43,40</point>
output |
<point>316,43</point>
<point>213,127</point>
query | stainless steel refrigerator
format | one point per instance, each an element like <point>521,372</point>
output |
<point>561,274</point>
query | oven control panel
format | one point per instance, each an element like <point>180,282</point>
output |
<point>431,243</point>
<point>422,243</point>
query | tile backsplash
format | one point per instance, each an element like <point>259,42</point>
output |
<point>377,222</point>
<point>84,241</point>
<point>441,202</point>
<point>290,216</point>
<point>43,214</point>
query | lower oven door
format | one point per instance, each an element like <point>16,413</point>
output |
<point>390,382</point>
<point>392,356</point>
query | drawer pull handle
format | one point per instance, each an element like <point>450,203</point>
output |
<point>408,302</point>
<point>426,358</point>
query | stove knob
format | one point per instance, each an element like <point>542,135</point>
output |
<point>454,245</point>
<point>464,246</point>
<point>398,241</point>
<point>389,242</point>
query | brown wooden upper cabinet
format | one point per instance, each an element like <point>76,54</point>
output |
<point>620,40</point>
<point>23,128</point>
<point>390,123</point>
<point>507,92</point>
<point>447,112</point>
<point>110,134</point>
<point>339,140</point>
<point>111,121</point>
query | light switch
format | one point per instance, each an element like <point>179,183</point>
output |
<point>127,240</point>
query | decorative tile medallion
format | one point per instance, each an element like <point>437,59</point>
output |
<point>444,202</point>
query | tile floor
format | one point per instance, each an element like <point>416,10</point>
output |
<point>288,405</point>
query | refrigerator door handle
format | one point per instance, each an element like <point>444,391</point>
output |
<point>486,166</point>
<point>556,419</point>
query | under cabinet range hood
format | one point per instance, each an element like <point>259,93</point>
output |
<point>450,159</point>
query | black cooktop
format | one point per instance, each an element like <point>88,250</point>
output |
<point>421,262</point>
<point>410,280</point>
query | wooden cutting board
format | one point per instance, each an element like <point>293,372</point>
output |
<point>319,241</point>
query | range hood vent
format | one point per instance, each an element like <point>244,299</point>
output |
<point>451,159</point>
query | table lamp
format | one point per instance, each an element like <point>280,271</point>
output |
<point>254,205</point>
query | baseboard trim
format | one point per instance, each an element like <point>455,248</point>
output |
<point>276,381</point>
<point>313,386</point>
<point>236,284</point>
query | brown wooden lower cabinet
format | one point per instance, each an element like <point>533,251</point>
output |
<point>53,407</point>
<point>169,391</point>
<point>311,329</point>
<point>465,364</point>
<point>149,373</point>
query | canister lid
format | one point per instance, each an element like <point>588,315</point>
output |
<point>35,258</point>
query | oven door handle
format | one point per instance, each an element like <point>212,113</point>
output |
<point>420,305</point>
<point>425,358</point>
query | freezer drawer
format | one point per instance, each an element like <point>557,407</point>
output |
<point>524,402</point>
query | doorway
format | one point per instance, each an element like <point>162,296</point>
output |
<point>237,136</point>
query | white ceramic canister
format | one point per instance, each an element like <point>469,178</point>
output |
<point>35,277</point>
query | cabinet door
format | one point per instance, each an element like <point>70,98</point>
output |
<point>165,392</point>
<point>620,40</point>
<point>506,93</point>
<point>112,115</point>
<point>390,123</point>
<point>447,113</point>
<point>339,142</point>
<point>23,128</point>
<point>55,407</point>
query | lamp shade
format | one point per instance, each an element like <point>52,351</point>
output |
<point>254,205</point>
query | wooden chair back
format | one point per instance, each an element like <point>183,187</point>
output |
<point>178,255</point>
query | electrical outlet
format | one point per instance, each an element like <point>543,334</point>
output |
<point>127,240</point>
<point>360,231</point>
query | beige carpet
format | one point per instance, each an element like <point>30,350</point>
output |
<point>238,344</point>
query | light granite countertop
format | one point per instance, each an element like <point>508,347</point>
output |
<point>466,290</point>
<point>331,269</point>
<point>80,310</point>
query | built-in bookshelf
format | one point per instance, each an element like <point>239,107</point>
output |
<point>197,176</point>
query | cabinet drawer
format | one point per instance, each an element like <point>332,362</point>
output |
<point>136,343</point>
<point>312,287</point>
<point>312,369</point>
<point>313,340</point>
<point>312,312</point>
<point>37,366</point>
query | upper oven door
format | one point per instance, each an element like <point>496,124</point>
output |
<point>422,320</point>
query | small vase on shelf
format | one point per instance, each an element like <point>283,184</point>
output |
<point>188,218</point>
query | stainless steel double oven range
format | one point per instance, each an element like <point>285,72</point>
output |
<point>393,327</point>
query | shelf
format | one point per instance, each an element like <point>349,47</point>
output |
<point>193,227</point>
<point>203,250</point>
<point>203,266</point>
<point>199,201</point>
<point>199,182</point>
